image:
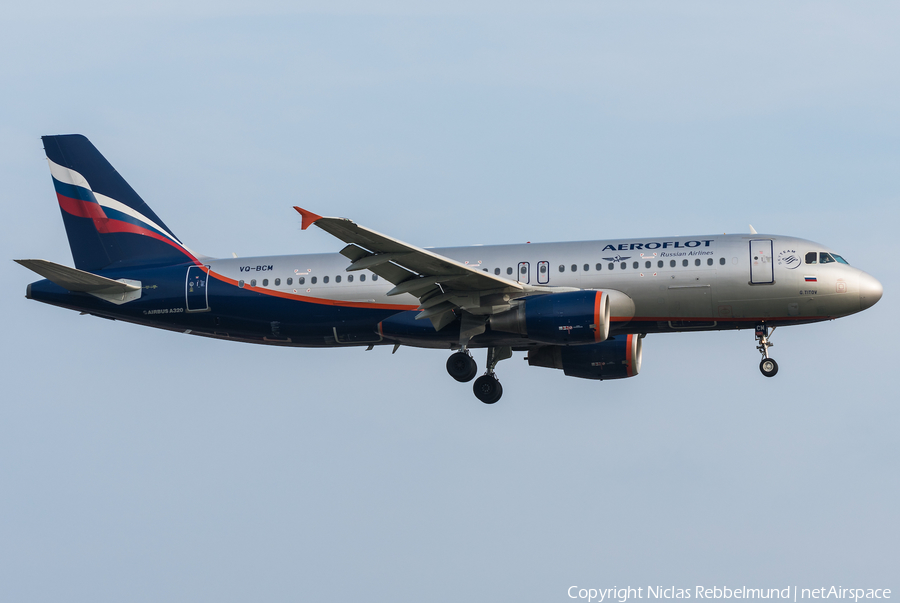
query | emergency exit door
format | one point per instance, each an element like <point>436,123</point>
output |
<point>524,272</point>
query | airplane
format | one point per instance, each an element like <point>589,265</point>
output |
<point>581,307</point>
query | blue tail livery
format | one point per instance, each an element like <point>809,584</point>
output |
<point>107,222</point>
<point>581,307</point>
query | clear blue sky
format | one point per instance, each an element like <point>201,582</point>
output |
<point>139,465</point>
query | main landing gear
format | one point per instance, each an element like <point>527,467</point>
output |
<point>487,388</point>
<point>767,366</point>
<point>461,366</point>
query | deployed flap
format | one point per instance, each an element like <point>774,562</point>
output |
<point>76,280</point>
<point>386,251</point>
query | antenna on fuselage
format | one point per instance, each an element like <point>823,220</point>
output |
<point>752,230</point>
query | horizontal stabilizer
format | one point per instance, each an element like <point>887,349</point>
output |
<point>76,280</point>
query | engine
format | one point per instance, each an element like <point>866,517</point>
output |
<point>616,358</point>
<point>569,318</point>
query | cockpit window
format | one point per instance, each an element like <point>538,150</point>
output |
<point>840,259</point>
<point>825,258</point>
<point>811,257</point>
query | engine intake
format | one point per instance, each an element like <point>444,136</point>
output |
<point>570,318</point>
<point>616,358</point>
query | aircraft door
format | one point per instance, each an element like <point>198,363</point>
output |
<point>543,274</point>
<point>196,298</point>
<point>524,272</point>
<point>761,265</point>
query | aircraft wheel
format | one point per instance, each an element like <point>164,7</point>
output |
<point>461,367</point>
<point>488,389</point>
<point>768,367</point>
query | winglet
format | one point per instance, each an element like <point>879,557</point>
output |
<point>308,217</point>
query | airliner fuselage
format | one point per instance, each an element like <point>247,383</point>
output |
<point>583,307</point>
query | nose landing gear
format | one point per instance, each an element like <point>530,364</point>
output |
<point>767,366</point>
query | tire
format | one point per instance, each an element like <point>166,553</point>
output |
<point>768,367</point>
<point>487,389</point>
<point>461,367</point>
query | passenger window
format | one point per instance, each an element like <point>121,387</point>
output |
<point>811,257</point>
<point>374,277</point>
<point>635,265</point>
<point>684,262</point>
<point>598,266</point>
<point>252,282</point>
<point>611,265</point>
<point>623,265</point>
<point>485,269</point>
<point>646,264</point>
<point>709,262</point>
<point>349,278</point>
<point>671,263</point>
<point>301,280</point>
<point>697,262</point>
<point>362,278</point>
<point>660,264</point>
<point>290,281</point>
<point>561,268</point>
<point>337,279</point>
<point>265,282</point>
<point>509,270</point>
<point>574,268</point>
<point>542,268</point>
<point>825,258</point>
<point>587,267</point>
<point>313,280</point>
<point>324,279</point>
<point>721,261</point>
<point>241,284</point>
<point>277,281</point>
<point>496,271</point>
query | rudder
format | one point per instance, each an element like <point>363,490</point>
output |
<point>106,221</point>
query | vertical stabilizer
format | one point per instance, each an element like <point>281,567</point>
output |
<point>106,221</point>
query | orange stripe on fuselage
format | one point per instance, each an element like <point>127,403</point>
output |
<point>308,299</point>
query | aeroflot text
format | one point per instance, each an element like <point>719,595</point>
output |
<point>702,592</point>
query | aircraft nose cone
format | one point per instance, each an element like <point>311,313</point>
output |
<point>870,291</point>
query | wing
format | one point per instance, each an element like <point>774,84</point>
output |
<point>441,284</point>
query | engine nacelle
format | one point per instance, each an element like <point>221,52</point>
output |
<point>616,358</point>
<point>570,318</point>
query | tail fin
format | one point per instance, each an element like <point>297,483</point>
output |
<point>106,221</point>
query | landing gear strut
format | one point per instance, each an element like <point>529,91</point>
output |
<point>487,388</point>
<point>767,366</point>
<point>461,366</point>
